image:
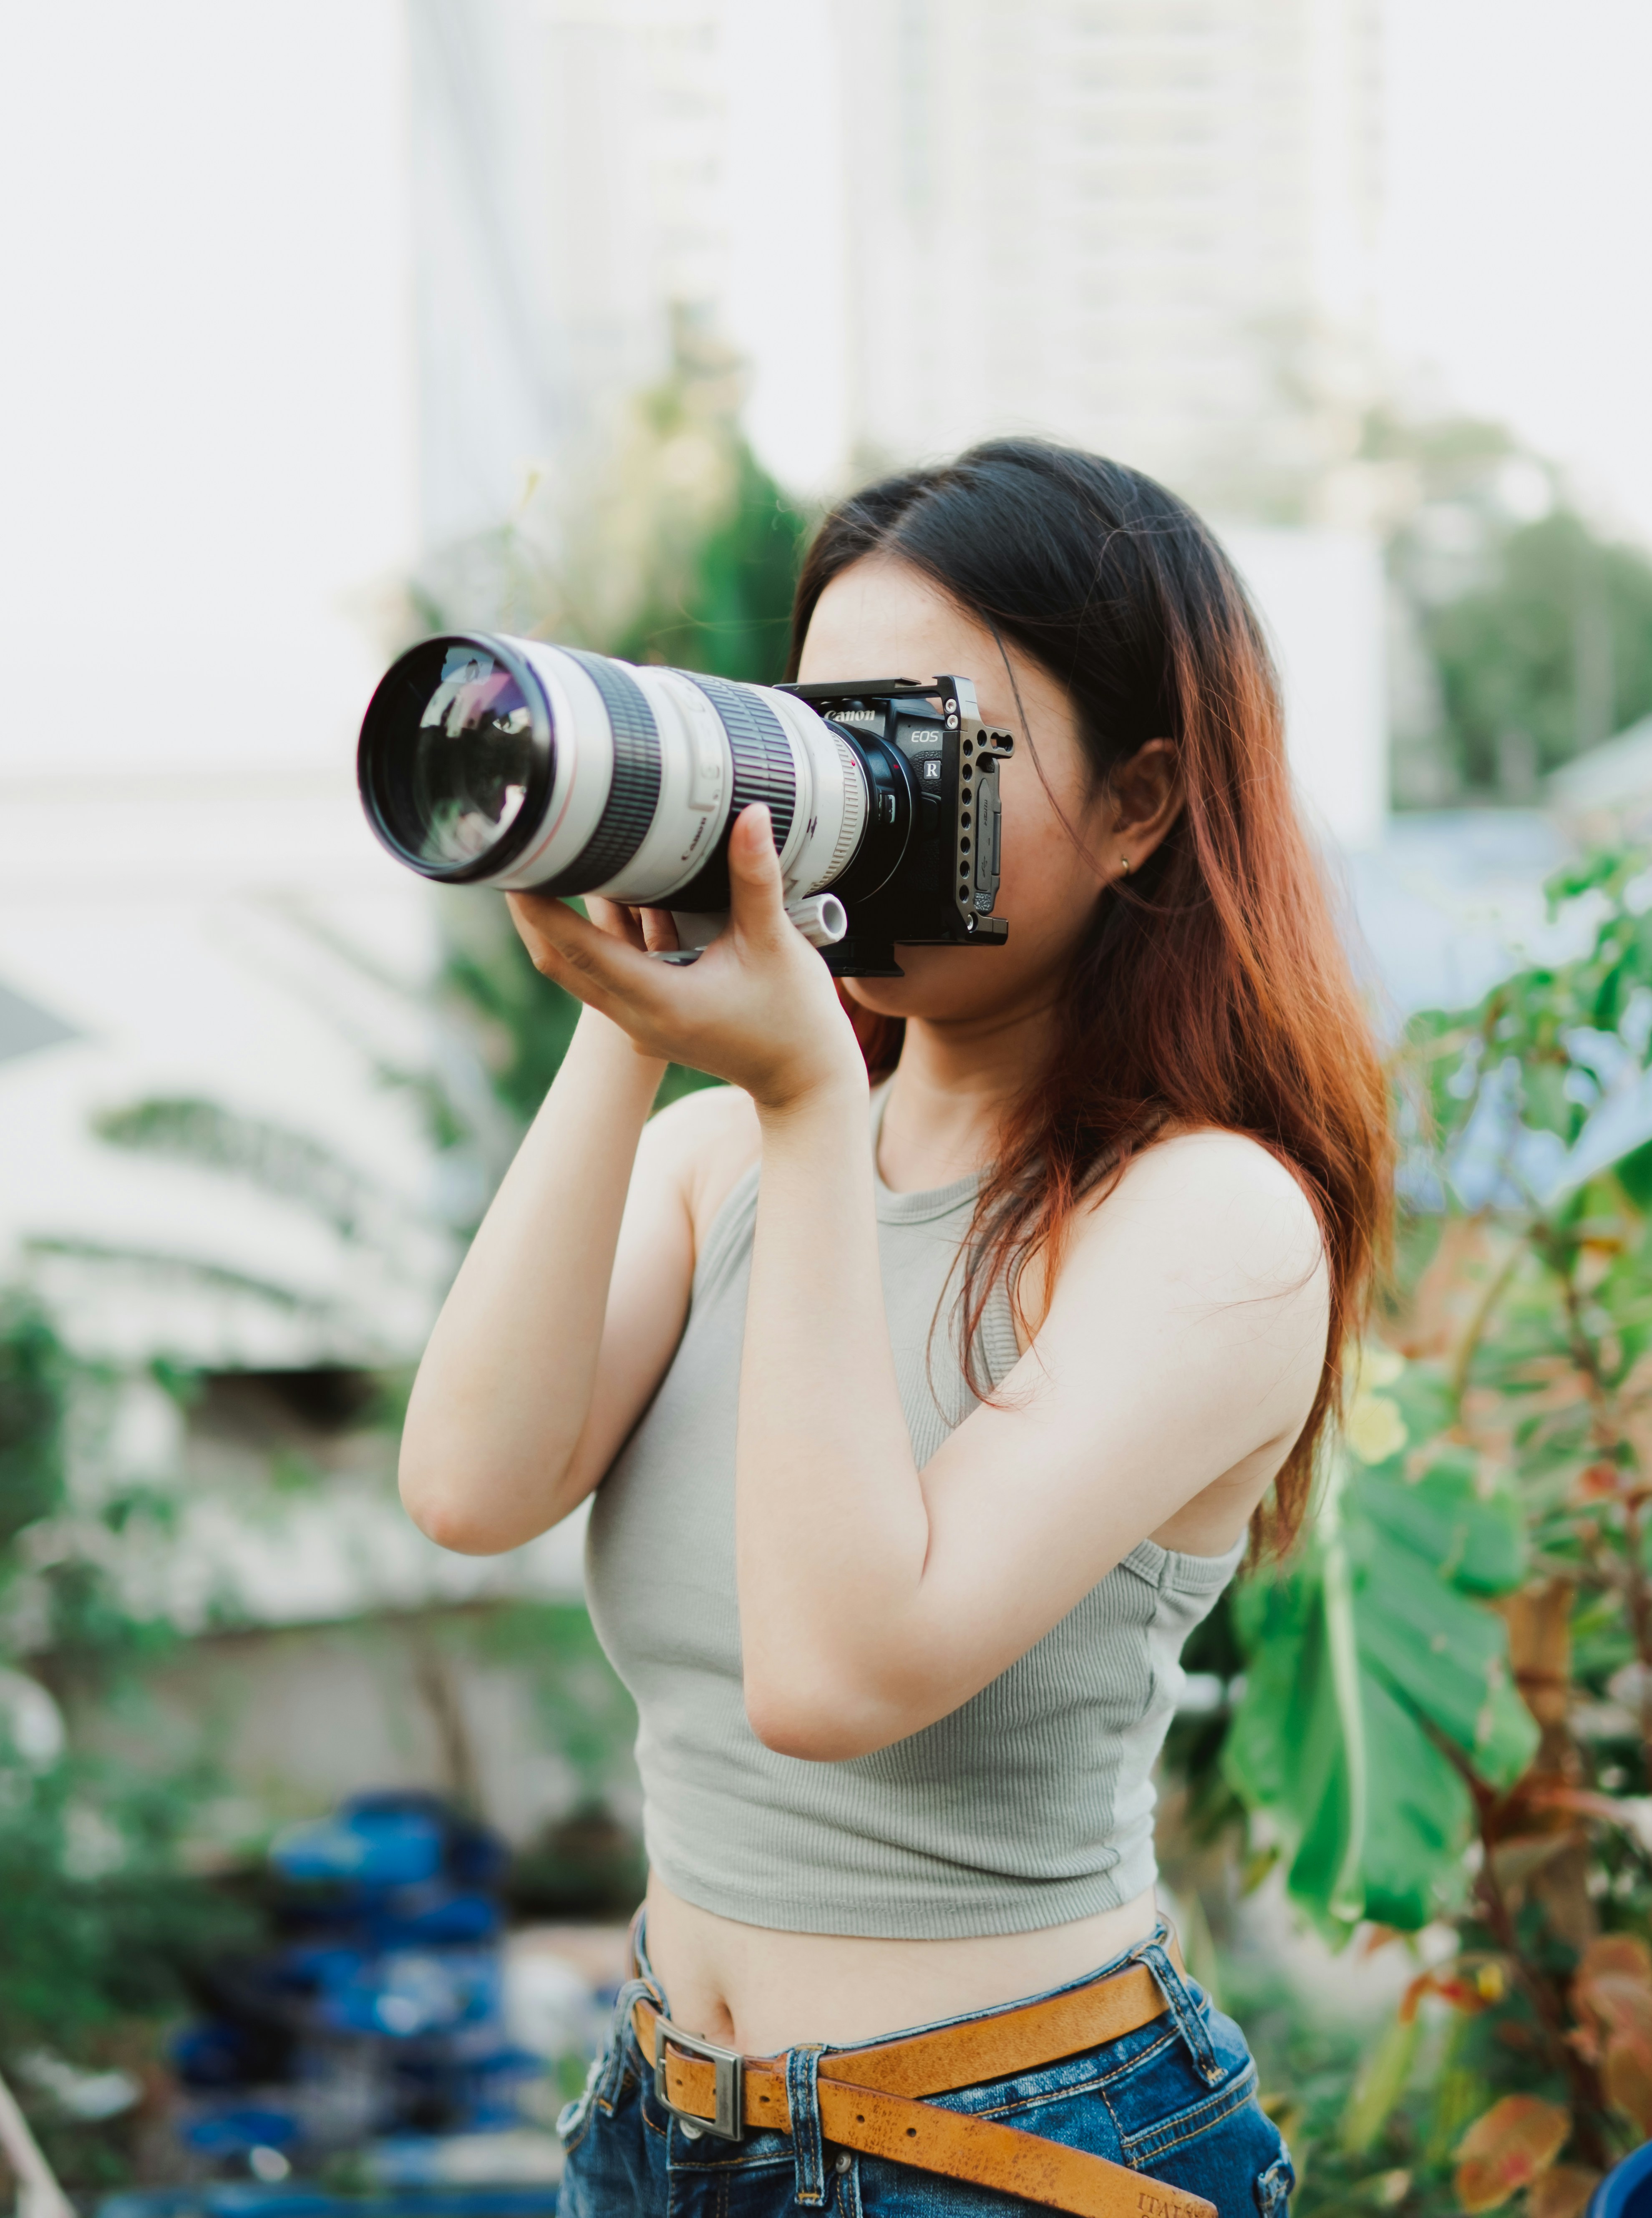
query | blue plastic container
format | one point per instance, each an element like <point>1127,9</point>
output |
<point>1626,2190</point>
<point>391,1840</point>
<point>238,2199</point>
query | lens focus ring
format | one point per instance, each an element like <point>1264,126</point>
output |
<point>854,809</point>
<point>635,788</point>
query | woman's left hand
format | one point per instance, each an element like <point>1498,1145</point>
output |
<point>758,1009</point>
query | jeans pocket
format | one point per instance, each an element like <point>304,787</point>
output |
<point>1152,2141</point>
<point>1165,2096</point>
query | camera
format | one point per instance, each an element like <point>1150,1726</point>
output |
<point>492,761</point>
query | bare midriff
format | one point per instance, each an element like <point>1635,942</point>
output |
<point>760,1992</point>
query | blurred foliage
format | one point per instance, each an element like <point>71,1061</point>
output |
<point>687,553</point>
<point>1446,1716</point>
<point>674,545</point>
<point>34,1372</point>
<point>98,1923</point>
<point>298,1172</point>
<point>521,1024</point>
<point>1377,1679</point>
<point>1549,657</point>
<point>1524,631</point>
<point>728,609</point>
<point>289,1165</point>
<point>585,1712</point>
<point>690,556</point>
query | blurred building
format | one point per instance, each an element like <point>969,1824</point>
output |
<point>1143,226</point>
<point>589,176</point>
<point>211,507</point>
<point>1148,230</point>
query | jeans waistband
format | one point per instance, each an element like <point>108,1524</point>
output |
<point>800,2063</point>
<point>1181,2000</point>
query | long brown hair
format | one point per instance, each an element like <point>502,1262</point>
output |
<point>1211,989</point>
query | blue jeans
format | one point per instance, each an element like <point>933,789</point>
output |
<point>1175,2100</point>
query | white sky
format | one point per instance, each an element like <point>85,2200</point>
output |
<point>207,396</point>
<point>208,422</point>
<point>1517,262</point>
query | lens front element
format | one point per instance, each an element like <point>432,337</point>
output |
<point>467,755</point>
<point>473,760</point>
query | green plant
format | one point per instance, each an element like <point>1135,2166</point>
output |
<point>690,559</point>
<point>98,1922</point>
<point>1376,1680</point>
<point>1448,1707</point>
<point>727,608</point>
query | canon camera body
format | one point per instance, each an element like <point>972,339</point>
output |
<point>492,761</point>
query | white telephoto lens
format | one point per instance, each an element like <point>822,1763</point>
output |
<point>492,761</point>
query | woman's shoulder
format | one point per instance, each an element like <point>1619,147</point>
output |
<point>1220,1201</point>
<point>1214,1209</point>
<point>705,1142</point>
<point>704,1115</point>
<point>1209,1160</point>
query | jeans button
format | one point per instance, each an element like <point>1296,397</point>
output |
<point>843,2161</point>
<point>690,2131</point>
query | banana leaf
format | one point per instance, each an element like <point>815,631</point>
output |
<point>1375,1674</point>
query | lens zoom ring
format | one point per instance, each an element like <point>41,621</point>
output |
<point>763,756</point>
<point>635,790</point>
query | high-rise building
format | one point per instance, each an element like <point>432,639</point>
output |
<point>593,178</point>
<point>571,195</point>
<point>1142,225</point>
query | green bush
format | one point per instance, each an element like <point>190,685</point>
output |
<point>1447,1707</point>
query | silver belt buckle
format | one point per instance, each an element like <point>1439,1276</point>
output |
<point>729,2122</point>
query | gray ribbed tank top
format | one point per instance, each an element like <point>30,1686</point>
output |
<point>1030,1805</point>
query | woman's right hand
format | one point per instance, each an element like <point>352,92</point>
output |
<point>758,1009</point>
<point>650,929</point>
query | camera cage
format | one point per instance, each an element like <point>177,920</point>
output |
<point>928,871</point>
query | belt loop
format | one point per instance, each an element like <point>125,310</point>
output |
<point>1183,2008</point>
<point>637,1945</point>
<point>803,2101</point>
<point>620,2040</point>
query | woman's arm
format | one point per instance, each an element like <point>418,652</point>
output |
<point>1182,1350</point>
<point>1180,1353</point>
<point>504,1405</point>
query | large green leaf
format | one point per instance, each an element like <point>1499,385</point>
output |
<point>1477,1542</point>
<point>1375,1675</point>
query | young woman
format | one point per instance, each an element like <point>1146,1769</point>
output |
<point>921,1435</point>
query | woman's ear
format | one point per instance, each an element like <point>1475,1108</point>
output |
<point>1145,798</point>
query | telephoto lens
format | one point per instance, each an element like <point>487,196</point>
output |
<point>492,761</point>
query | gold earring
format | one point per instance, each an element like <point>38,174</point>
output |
<point>1123,866</point>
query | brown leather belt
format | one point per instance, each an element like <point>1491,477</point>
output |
<point>871,2099</point>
